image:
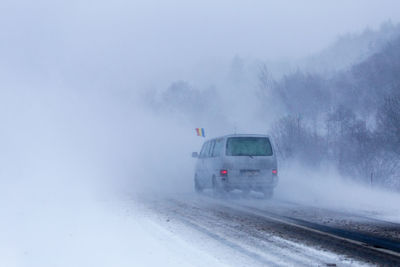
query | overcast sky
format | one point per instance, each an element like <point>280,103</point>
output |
<point>146,39</point>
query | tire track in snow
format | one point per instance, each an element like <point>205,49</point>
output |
<point>376,246</point>
<point>278,251</point>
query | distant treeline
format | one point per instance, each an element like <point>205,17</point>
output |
<point>350,118</point>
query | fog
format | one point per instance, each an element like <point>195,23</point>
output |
<point>129,43</point>
<point>67,139</point>
<point>324,187</point>
<point>84,112</point>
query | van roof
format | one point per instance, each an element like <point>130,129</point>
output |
<point>240,135</point>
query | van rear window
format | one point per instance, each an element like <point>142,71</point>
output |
<point>248,146</point>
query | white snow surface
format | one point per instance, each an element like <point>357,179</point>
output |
<point>49,232</point>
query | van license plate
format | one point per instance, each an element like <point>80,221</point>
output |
<point>249,172</point>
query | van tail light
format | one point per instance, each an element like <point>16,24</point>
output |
<point>223,172</point>
<point>274,172</point>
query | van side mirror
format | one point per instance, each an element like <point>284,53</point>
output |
<point>195,155</point>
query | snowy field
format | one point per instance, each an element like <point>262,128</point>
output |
<point>67,232</point>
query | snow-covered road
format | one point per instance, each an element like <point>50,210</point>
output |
<point>244,232</point>
<point>187,229</point>
<point>90,233</point>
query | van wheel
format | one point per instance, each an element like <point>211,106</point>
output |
<point>216,188</point>
<point>197,186</point>
<point>268,193</point>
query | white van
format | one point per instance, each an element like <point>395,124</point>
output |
<point>240,161</point>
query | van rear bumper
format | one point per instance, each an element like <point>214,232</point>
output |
<point>256,183</point>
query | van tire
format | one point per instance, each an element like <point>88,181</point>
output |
<point>197,187</point>
<point>217,190</point>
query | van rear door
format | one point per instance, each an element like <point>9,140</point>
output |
<point>250,156</point>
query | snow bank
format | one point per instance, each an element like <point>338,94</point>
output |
<point>52,232</point>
